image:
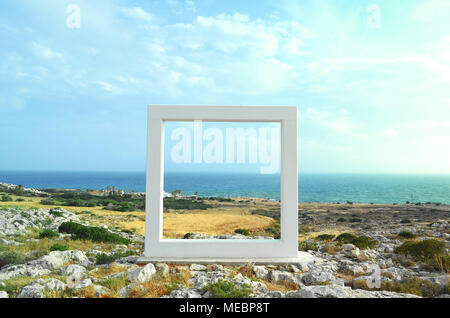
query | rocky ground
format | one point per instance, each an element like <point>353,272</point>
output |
<point>334,270</point>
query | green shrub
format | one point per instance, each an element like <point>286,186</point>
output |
<point>94,234</point>
<point>425,250</point>
<point>405,221</point>
<point>12,258</point>
<point>307,246</point>
<point>58,247</point>
<point>20,200</point>
<point>406,235</point>
<point>185,204</point>
<point>48,234</point>
<point>101,259</point>
<point>341,220</point>
<point>56,213</point>
<point>362,242</point>
<point>6,198</point>
<point>355,220</point>
<point>346,238</point>
<point>325,237</point>
<point>275,231</point>
<point>188,236</point>
<point>227,289</point>
<point>242,231</point>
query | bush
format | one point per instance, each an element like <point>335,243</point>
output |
<point>20,200</point>
<point>6,198</point>
<point>101,259</point>
<point>188,236</point>
<point>307,246</point>
<point>325,237</point>
<point>48,234</point>
<point>406,235</point>
<point>11,258</point>
<point>56,213</point>
<point>58,247</point>
<point>94,234</point>
<point>405,221</point>
<point>341,220</point>
<point>275,231</point>
<point>426,250</point>
<point>242,231</point>
<point>226,289</point>
<point>184,204</point>
<point>355,220</point>
<point>346,238</point>
<point>362,242</point>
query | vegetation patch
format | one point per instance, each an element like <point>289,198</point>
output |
<point>101,259</point>
<point>242,231</point>
<point>425,250</point>
<point>226,289</point>
<point>414,286</point>
<point>362,242</point>
<point>185,204</point>
<point>12,258</point>
<point>406,235</point>
<point>275,231</point>
<point>58,247</point>
<point>307,246</point>
<point>48,234</point>
<point>94,234</point>
<point>325,237</point>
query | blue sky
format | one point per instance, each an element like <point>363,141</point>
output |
<point>370,99</point>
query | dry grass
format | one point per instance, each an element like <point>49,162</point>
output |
<point>177,225</point>
<point>103,272</point>
<point>160,286</point>
<point>282,286</point>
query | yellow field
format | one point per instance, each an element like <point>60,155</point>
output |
<point>177,225</point>
<point>223,219</point>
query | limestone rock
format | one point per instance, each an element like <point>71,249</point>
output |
<point>143,274</point>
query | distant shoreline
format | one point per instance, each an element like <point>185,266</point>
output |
<point>364,188</point>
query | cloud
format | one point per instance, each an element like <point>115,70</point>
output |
<point>339,122</point>
<point>44,52</point>
<point>390,133</point>
<point>138,13</point>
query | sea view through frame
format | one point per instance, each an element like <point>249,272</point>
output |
<point>364,188</point>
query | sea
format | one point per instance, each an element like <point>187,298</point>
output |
<point>363,188</point>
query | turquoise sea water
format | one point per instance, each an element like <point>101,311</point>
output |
<point>312,187</point>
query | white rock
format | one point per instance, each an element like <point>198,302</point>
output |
<point>3,294</point>
<point>82,283</point>
<point>163,269</point>
<point>100,290</point>
<point>197,267</point>
<point>73,270</point>
<point>143,274</point>
<point>261,272</point>
<point>317,276</point>
<point>32,291</point>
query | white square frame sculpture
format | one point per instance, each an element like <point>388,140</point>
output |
<point>280,251</point>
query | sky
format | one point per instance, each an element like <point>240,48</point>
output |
<point>370,79</point>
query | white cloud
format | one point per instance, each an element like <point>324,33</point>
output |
<point>45,52</point>
<point>390,133</point>
<point>138,13</point>
<point>339,122</point>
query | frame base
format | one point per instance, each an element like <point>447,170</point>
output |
<point>302,258</point>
